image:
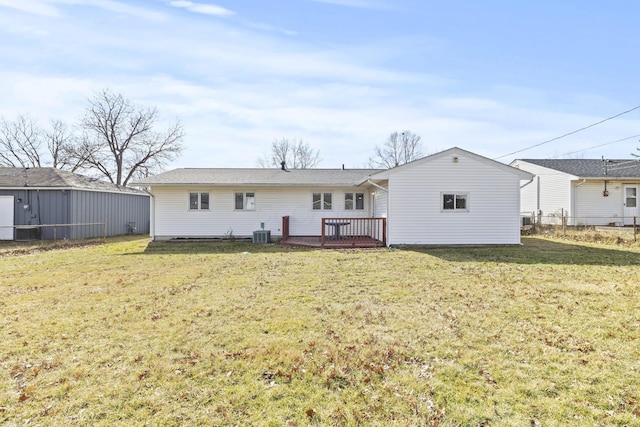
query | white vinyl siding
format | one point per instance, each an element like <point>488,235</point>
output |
<point>222,218</point>
<point>415,202</point>
<point>592,208</point>
<point>549,193</point>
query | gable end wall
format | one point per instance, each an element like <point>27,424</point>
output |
<point>415,203</point>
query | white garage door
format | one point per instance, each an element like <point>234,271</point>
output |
<point>6,217</point>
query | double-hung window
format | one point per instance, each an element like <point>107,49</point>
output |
<point>455,202</point>
<point>198,201</point>
<point>353,201</point>
<point>245,201</point>
<point>322,201</point>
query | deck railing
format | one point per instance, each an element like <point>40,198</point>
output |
<point>354,230</point>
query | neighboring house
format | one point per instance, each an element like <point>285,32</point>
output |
<point>585,191</point>
<point>453,197</point>
<point>50,203</point>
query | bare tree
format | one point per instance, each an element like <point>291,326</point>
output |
<point>62,143</point>
<point>20,142</point>
<point>23,143</point>
<point>295,154</point>
<point>398,149</point>
<point>119,140</point>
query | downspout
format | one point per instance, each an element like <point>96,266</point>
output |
<point>152,215</point>
<point>528,182</point>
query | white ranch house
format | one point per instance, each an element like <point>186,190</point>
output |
<point>583,191</point>
<point>454,197</point>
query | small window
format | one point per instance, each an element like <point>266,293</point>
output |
<point>193,201</point>
<point>327,201</point>
<point>322,201</point>
<point>455,201</point>
<point>245,201</point>
<point>198,201</point>
<point>349,201</point>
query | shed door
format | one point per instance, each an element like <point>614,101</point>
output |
<point>631,199</point>
<point>6,217</point>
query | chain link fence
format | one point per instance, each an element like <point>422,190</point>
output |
<point>531,221</point>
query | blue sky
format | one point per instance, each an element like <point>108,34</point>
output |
<point>492,76</point>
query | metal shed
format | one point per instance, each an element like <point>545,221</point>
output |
<point>50,203</point>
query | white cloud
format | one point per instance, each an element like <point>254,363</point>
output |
<point>270,28</point>
<point>36,7</point>
<point>49,8</point>
<point>363,4</point>
<point>207,9</point>
<point>123,8</point>
<point>237,90</point>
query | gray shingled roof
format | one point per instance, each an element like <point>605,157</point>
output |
<point>592,168</point>
<point>259,177</point>
<point>58,179</point>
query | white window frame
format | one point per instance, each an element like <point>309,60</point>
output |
<point>354,201</point>
<point>456,196</point>
<point>198,206</point>
<point>322,200</point>
<point>248,201</point>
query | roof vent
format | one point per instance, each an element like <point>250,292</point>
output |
<point>283,165</point>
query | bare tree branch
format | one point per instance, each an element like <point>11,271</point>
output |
<point>295,154</point>
<point>20,142</point>
<point>119,140</point>
<point>398,149</point>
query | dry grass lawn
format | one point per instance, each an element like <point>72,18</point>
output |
<point>129,332</point>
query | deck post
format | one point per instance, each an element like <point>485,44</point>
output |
<point>285,227</point>
<point>384,231</point>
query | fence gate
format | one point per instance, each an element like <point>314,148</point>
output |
<point>6,217</point>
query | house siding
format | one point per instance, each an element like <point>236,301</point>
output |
<point>549,194</point>
<point>415,193</point>
<point>60,207</point>
<point>174,219</point>
<point>380,202</point>
<point>45,207</point>
<point>117,210</point>
<point>592,208</point>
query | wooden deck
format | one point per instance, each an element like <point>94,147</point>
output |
<point>345,243</point>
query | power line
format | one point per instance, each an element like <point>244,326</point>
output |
<point>596,146</point>
<point>570,133</point>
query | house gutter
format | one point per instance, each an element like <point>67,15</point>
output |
<point>529,182</point>
<point>376,185</point>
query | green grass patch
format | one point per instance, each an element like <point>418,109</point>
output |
<point>132,332</point>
